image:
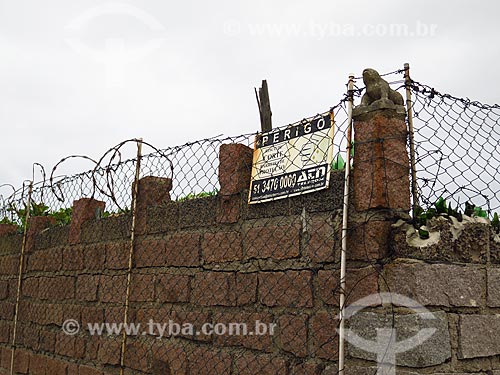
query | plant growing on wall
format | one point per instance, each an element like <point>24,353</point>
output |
<point>61,216</point>
<point>203,194</point>
<point>121,211</point>
<point>338,163</point>
<point>496,223</point>
<point>441,208</point>
<point>36,209</point>
<point>6,220</point>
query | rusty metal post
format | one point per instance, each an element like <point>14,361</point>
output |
<point>411,135</point>
<point>345,215</point>
<point>20,276</point>
<point>135,192</point>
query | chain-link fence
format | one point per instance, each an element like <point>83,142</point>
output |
<point>218,286</point>
<point>457,142</point>
<point>205,282</point>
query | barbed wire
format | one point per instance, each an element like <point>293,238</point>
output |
<point>170,252</point>
<point>192,166</point>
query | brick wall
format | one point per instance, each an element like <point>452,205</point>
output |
<point>217,259</point>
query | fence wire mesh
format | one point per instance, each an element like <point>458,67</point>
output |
<point>206,283</point>
<point>457,142</point>
<point>198,265</point>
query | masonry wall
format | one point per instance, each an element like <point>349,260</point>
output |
<point>212,259</point>
<point>217,259</point>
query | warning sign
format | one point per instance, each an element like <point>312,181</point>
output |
<point>293,160</point>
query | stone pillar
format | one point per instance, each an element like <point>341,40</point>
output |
<point>153,191</point>
<point>381,164</point>
<point>84,209</point>
<point>235,167</point>
<point>381,171</point>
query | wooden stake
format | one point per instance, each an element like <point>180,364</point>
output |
<point>264,107</point>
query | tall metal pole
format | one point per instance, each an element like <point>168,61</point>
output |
<point>20,275</point>
<point>135,192</point>
<point>350,88</point>
<point>411,135</point>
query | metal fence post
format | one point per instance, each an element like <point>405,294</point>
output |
<point>135,192</point>
<point>411,135</point>
<point>20,276</point>
<point>345,216</point>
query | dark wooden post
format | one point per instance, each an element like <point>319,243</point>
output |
<point>264,107</point>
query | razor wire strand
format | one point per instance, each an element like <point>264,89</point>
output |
<point>71,188</point>
<point>193,168</point>
<point>110,182</point>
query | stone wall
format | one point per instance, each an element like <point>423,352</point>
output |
<point>217,259</point>
<point>213,259</point>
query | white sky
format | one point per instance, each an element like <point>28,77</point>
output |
<point>201,60</point>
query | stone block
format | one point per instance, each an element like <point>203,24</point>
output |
<point>6,229</point>
<point>323,235</point>
<point>222,247</point>
<point>433,351</point>
<point>271,238</point>
<point>250,364</point>
<point>293,334</point>
<point>437,284</point>
<point>229,208</point>
<point>493,291</point>
<point>324,335</point>
<point>478,336</point>
<point>152,191</point>
<point>360,282</point>
<point>287,289</point>
<point>369,240</point>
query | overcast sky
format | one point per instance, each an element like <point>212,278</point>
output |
<point>77,77</point>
